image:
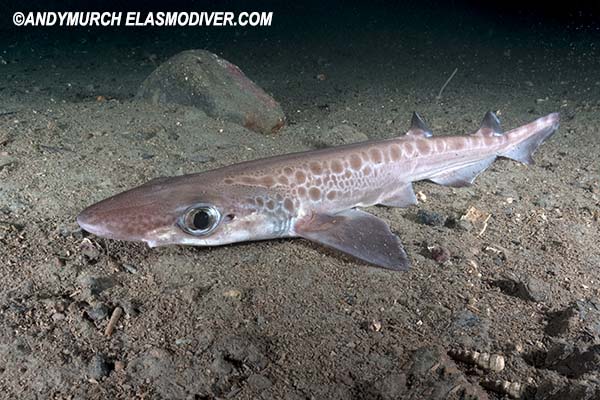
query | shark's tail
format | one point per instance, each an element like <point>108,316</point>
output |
<point>525,140</point>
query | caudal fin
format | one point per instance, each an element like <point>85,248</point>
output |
<point>526,139</point>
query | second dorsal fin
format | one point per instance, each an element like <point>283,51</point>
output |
<point>490,126</point>
<point>418,127</point>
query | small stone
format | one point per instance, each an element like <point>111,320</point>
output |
<point>392,386</point>
<point>375,326</point>
<point>98,311</point>
<point>58,317</point>
<point>89,249</point>
<point>130,268</point>
<point>220,366</point>
<point>533,289</point>
<point>526,288</point>
<point>119,366</point>
<point>430,218</point>
<point>573,360</point>
<point>258,382</point>
<point>182,342</point>
<point>233,293</point>
<point>439,254</point>
<point>90,285</point>
<point>98,367</point>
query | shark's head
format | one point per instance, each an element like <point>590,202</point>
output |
<point>192,210</point>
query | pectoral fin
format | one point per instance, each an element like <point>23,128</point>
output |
<point>358,234</point>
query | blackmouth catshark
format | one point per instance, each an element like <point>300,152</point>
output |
<point>312,195</point>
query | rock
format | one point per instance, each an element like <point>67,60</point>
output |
<point>433,375</point>
<point>201,79</point>
<point>525,287</point>
<point>580,316</point>
<point>258,383</point>
<point>5,161</point>
<point>470,330</point>
<point>92,286</point>
<point>98,367</point>
<point>533,289</point>
<point>439,254</point>
<point>573,361</point>
<point>391,387</point>
<point>430,218</point>
<point>89,249</point>
<point>220,366</point>
<point>562,321</point>
<point>97,311</point>
<point>242,350</point>
<point>556,390</point>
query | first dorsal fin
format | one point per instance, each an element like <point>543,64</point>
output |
<point>418,127</point>
<point>490,126</point>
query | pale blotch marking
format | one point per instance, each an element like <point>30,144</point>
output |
<point>375,155</point>
<point>300,177</point>
<point>337,167</point>
<point>315,167</point>
<point>288,205</point>
<point>423,147</point>
<point>268,181</point>
<point>355,162</point>
<point>314,193</point>
<point>395,152</point>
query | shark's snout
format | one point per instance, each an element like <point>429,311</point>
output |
<point>91,220</point>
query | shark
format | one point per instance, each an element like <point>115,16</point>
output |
<point>316,195</point>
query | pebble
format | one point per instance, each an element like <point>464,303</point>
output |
<point>527,288</point>
<point>89,249</point>
<point>98,311</point>
<point>58,317</point>
<point>233,293</point>
<point>98,367</point>
<point>580,316</point>
<point>90,285</point>
<point>431,218</point>
<point>259,382</point>
<point>220,366</point>
<point>433,375</point>
<point>439,254</point>
<point>392,386</point>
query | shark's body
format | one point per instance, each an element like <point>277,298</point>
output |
<point>311,194</point>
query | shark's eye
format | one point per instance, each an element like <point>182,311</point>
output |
<point>200,220</point>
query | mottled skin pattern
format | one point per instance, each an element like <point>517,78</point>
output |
<point>271,197</point>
